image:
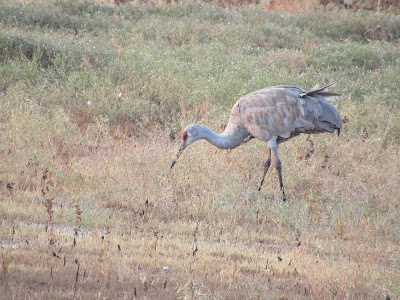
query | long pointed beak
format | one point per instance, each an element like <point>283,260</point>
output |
<point>180,150</point>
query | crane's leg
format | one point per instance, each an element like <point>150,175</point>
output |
<point>278,166</point>
<point>266,167</point>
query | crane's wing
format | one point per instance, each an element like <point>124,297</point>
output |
<point>285,111</point>
<point>275,112</point>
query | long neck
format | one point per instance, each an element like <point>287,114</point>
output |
<point>226,140</point>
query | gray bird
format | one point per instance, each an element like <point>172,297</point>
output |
<point>272,115</point>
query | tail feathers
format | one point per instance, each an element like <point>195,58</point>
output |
<point>330,119</point>
<point>316,103</point>
<point>322,92</point>
<point>327,126</point>
<point>317,89</point>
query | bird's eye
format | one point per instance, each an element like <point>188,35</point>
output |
<point>184,135</point>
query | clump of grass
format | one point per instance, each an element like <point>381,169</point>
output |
<point>72,17</point>
<point>363,27</point>
<point>60,57</point>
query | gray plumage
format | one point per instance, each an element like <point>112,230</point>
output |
<point>273,115</point>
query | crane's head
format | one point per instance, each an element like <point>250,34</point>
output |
<point>191,134</point>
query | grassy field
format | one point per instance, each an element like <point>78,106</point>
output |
<point>93,100</point>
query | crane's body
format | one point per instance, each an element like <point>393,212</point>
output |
<point>272,115</point>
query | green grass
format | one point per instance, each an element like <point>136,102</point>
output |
<point>66,135</point>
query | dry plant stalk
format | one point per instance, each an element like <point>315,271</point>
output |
<point>76,223</point>
<point>100,256</point>
<point>49,227</point>
<point>76,280</point>
<point>4,265</point>
<point>195,246</point>
<point>339,228</point>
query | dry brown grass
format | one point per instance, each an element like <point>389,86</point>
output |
<point>202,230</point>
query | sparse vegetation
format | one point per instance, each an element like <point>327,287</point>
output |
<point>93,98</point>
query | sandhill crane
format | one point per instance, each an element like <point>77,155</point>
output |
<point>272,115</point>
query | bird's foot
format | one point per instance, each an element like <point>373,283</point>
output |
<point>283,196</point>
